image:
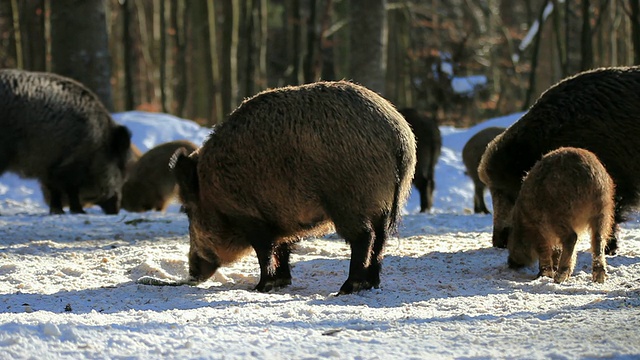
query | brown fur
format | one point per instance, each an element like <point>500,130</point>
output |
<point>296,161</point>
<point>471,155</point>
<point>55,130</point>
<point>566,192</point>
<point>597,110</point>
<point>429,145</point>
<point>151,184</point>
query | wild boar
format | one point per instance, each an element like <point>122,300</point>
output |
<point>471,155</point>
<point>597,110</point>
<point>151,185</point>
<point>293,162</point>
<point>566,192</point>
<point>57,131</point>
<point>132,157</point>
<point>429,145</point>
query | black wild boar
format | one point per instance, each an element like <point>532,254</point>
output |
<point>471,155</point>
<point>132,157</point>
<point>57,131</point>
<point>292,162</point>
<point>597,110</point>
<point>566,192</point>
<point>151,185</point>
<point>429,145</point>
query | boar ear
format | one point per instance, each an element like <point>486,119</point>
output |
<point>120,140</point>
<point>185,169</point>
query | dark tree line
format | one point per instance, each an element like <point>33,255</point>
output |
<point>198,59</point>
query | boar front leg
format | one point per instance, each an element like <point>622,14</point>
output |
<point>271,276</point>
<point>55,203</point>
<point>74,201</point>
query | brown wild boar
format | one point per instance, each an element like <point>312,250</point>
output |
<point>566,192</point>
<point>429,144</point>
<point>55,130</point>
<point>597,110</point>
<point>471,155</point>
<point>291,162</point>
<point>151,185</point>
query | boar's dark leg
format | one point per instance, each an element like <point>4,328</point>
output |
<point>271,259</point>
<point>382,233</point>
<point>74,201</point>
<point>479,207</point>
<point>362,245</point>
<point>422,186</point>
<point>612,242</point>
<point>283,268</point>
<point>55,202</point>
<point>263,240</point>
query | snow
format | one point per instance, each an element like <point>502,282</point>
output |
<point>68,285</point>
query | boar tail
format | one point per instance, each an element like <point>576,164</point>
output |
<point>402,172</point>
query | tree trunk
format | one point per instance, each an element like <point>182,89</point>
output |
<point>215,64</point>
<point>34,46</point>
<point>8,57</point>
<point>129,63</point>
<point>635,29</point>
<point>79,45</point>
<point>163,59</point>
<point>586,59</point>
<point>229,56</point>
<point>368,43</point>
<point>178,23</point>
<point>534,57</point>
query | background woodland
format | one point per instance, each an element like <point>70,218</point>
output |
<point>198,59</point>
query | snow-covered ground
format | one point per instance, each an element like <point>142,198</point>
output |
<point>68,286</point>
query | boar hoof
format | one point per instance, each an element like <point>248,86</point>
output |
<point>612,246</point>
<point>599,275</point>
<point>53,211</point>
<point>546,272</point>
<point>351,286</point>
<point>561,276</point>
<point>271,284</point>
<point>500,238</point>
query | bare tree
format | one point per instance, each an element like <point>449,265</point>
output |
<point>8,52</point>
<point>79,45</point>
<point>635,29</point>
<point>34,47</point>
<point>368,43</point>
<point>586,60</point>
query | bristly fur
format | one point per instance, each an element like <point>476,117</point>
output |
<point>293,162</point>
<point>597,110</point>
<point>56,130</point>
<point>471,155</point>
<point>151,184</point>
<point>566,192</point>
<point>428,148</point>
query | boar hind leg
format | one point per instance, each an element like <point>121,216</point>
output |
<point>568,258</point>
<point>611,248</point>
<point>479,207</point>
<point>598,244</point>
<point>381,229</point>
<point>362,245</point>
